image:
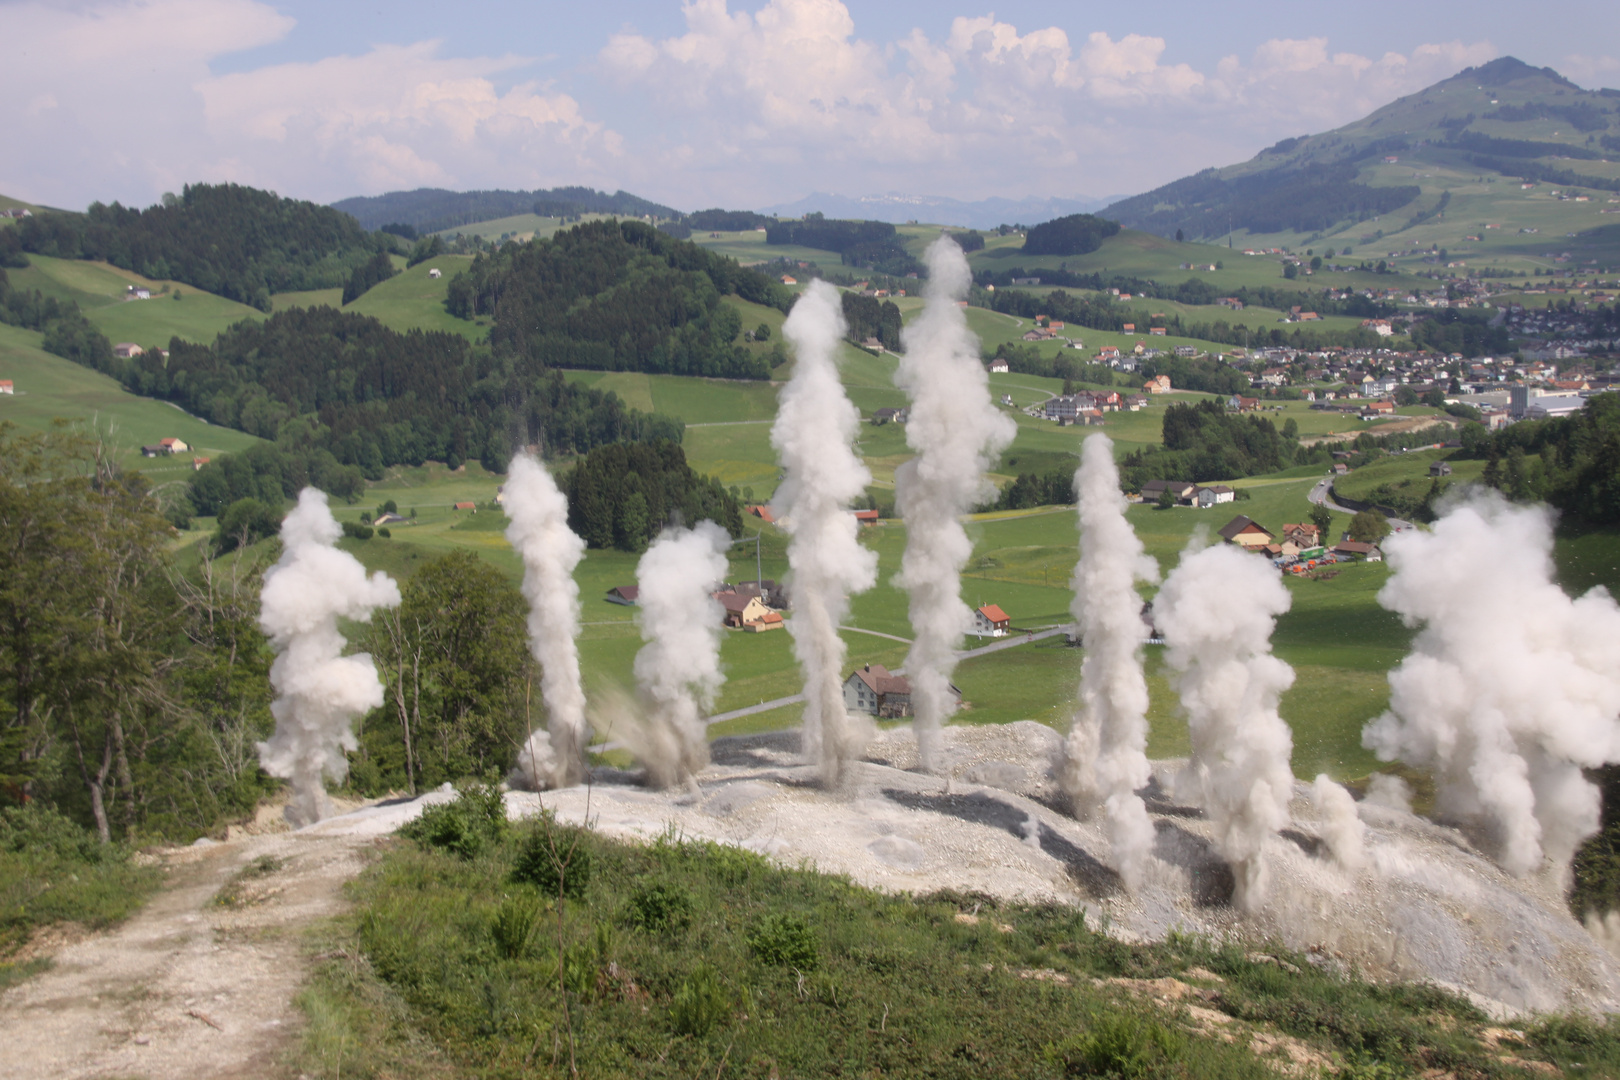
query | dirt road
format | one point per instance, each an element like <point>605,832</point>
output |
<point>187,988</point>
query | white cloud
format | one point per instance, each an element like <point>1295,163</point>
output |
<point>1591,71</point>
<point>992,109</point>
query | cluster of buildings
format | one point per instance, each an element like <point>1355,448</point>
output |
<point>1295,545</point>
<point>167,447</point>
<point>1186,493</point>
<point>754,607</point>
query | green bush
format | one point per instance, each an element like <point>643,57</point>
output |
<point>515,925</point>
<point>1130,1047</point>
<point>700,1003</point>
<point>356,531</point>
<point>661,908</point>
<point>553,860</point>
<point>786,941</point>
<point>468,826</point>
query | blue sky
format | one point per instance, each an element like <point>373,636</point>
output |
<point>741,103</point>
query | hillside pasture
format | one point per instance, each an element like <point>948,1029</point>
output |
<point>101,290</point>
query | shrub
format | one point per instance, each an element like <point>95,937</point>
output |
<point>553,861</point>
<point>700,1004</point>
<point>1119,1045</point>
<point>356,530</point>
<point>661,908</point>
<point>515,924</point>
<point>785,940</point>
<point>468,826</point>
<point>384,533</point>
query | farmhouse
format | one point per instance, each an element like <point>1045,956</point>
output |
<point>1182,491</point>
<point>743,608</point>
<point>998,366</point>
<point>466,506</point>
<point>197,463</point>
<point>884,416</point>
<point>6,387</point>
<point>1158,385</point>
<point>624,594</point>
<point>1439,468</point>
<point>434,273</point>
<point>124,350</point>
<point>763,512</point>
<point>1303,536</point>
<point>1369,552</point>
<point>871,689</point>
<point>866,517</point>
<point>172,445</point>
<point>1214,495</point>
<point>991,621</point>
<point>1246,533</point>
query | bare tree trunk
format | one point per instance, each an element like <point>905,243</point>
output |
<point>96,784</point>
<point>126,778</point>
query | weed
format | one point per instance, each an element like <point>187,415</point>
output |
<point>515,925</point>
<point>661,908</point>
<point>468,826</point>
<point>1126,1046</point>
<point>786,941</point>
<point>700,1003</point>
<point>553,860</point>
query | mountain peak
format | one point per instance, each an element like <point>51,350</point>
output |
<point>1511,71</point>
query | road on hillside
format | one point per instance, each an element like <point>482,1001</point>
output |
<point>1321,495</point>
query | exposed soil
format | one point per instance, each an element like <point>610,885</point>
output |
<point>187,988</point>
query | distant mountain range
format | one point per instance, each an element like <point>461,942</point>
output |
<point>897,209</point>
<point>1504,118</point>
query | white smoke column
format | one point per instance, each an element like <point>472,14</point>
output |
<point>1217,610</point>
<point>813,435</point>
<point>1342,829</point>
<point>958,434</point>
<point>319,691</point>
<point>1511,687</point>
<point>550,551</point>
<point>1104,760</point>
<point>678,670</point>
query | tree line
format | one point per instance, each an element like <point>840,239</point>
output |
<point>67,333</point>
<point>874,244</point>
<point>868,317</point>
<point>237,242</point>
<point>620,496</point>
<point>616,296</point>
<point>1571,462</point>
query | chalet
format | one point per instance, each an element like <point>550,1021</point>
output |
<point>742,608</point>
<point>1377,408</point>
<point>1129,328</point>
<point>1238,403</point>
<point>1156,331</point>
<point>774,593</point>
<point>1303,536</point>
<point>1158,385</point>
<point>1135,402</point>
<point>171,445</point>
<point>1439,468</point>
<point>1038,334</point>
<point>197,463</point>
<point>624,594</point>
<point>789,279</point>
<point>771,620</point>
<point>866,517</point>
<point>1246,533</point>
<point>991,621</point>
<point>1213,495</point>
<point>6,387</point>
<point>871,689</point>
<point>1181,491</point>
<point>434,273</point>
<point>998,366</point>
<point>1341,469</point>
<point>126,350</point>
<point>1107,353</point>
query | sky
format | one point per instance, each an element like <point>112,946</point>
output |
<point>733,103</point>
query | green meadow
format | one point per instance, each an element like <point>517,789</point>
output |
<point>101,291</point>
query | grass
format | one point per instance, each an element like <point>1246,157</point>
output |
<point>52,872</point>
<point>100,290</point>
<point>49,387</point>
<point>1400,479</point>
<point>692,959</point>
<point>411,300</point>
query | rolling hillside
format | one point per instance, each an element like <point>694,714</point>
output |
<point>1442,168</point>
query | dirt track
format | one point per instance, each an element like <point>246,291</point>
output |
<point>186,988</point>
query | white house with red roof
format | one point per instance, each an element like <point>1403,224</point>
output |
<point>991,621</point>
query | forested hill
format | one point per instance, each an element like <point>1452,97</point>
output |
<point>345,383</point>
<point>1503,117</point>
<point>617,296</point>
<point>238,242</point>
<point>432,209</point>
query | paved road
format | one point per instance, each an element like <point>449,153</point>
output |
<point>1320,496</point>
<point>876,633</point>
<point>1010,642</point>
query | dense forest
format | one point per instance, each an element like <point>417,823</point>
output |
<point>1570,462</point>
<point>869,317</point>
<point>620,496</point>
<point>718,220</point>
<point>1076,234</point>
<point>873,244</point>
<point>1203,442</point>
<point>319,379</point>
<point>616,296</point>
<point>1304,200</point>
<point>427,210</point>
<point>235,241</point>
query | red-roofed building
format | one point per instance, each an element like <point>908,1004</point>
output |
<point>6,387</point>
<point>763,512</point>
<point>866,517</point>
<point>466,506</point>
<point>624,594</point>
<point>991,621</point>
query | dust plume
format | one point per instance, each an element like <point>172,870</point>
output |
<point>958,434</point>
<point>678,670</point>
<point>814,435</point>
<point>1511,688</point>
<point>1104,760</point>
<point>319,691</point>
<point>1342,830</point>
<point>550,551</point>
<point>1217,610</point>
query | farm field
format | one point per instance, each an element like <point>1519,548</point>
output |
<point>100,290</point>
<point>749,247</point>
<point>1405,474</point>
<point>49,387</point>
